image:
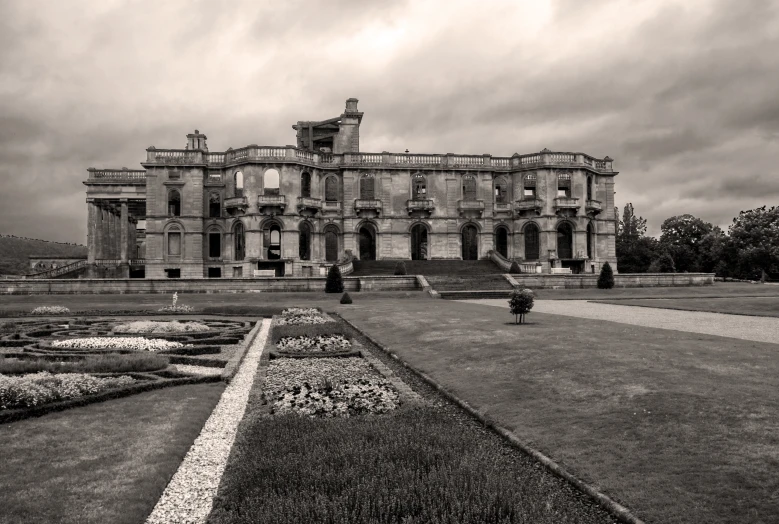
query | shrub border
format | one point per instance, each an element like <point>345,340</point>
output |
<point>318,354</point>
<point>616,509</point>
<point>15,415</point>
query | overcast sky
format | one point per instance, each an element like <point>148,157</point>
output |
<point>684,95</point>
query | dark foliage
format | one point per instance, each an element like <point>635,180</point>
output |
<point>346,299</point>
<point>400,268</point>
<point>520,303</point>
<point>89,364</point>
<point>335,282</point>
<point>606,278</point>
<point>515,269</point>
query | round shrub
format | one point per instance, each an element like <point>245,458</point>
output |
<point>520,304</point>
<point>400,268</point>
<point>346,299</point>
<point>515,269</point>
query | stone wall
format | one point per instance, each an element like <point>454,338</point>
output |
<point>217,285</point>
<point>546,281</point>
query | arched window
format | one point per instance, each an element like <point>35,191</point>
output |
<point>174,241</point>
<point>529,189</point>
<point>418,187</point>
<point>331,189</point>
<point>590,189</point>
<point>469,187</point>
<point>239,242</point>
<point>564,241</point>
<point>174,203</point>
<point>305,241</point>
<point>331,244</point>
<point>214,205</point>
<point>238,179</point>
<point>532,247</point>
<point>564,185</point>
<point>501,191</point>
<point>214,244</point>
<point>274,247</point>
<point>305,184</point>
<point>270,182</point>
<point>590,241</point>
<point>367,189</point>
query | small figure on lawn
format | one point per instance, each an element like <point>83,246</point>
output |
<point>521,302</point>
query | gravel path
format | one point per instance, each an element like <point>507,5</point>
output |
<point>758,329</point>
<point>190,493</point>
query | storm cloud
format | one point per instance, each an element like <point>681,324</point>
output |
<point>682,94</point>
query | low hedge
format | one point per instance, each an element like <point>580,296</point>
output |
<point>193,361</point>
<point>13,415</point>
<point>195,350</point>
<point>315,354</point>
<point>92,364</point>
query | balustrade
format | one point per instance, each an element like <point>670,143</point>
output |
<point>117,174</point>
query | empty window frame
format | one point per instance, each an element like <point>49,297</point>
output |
<point>367,187</point>
<point>469,187</point>
<point>305,185</point>
<point>564,185</point>
<point>238,181</point>
<point>501,191</point>
<point>529,186</point>
<point>270,182</point>
<point>418,187</point>
<point>214,205</point>
<point>174,203</point>
<point>214,245</point>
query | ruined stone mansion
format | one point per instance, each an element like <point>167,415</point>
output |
<point>294,210</point>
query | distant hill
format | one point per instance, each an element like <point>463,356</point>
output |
<point>15,250</point>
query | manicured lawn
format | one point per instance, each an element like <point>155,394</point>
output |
<point>677,426</point>
<point>415,465</point>
<point>106,462</point>
<point>756,306</point>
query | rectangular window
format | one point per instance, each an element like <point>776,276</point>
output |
<point>214,245</point>
<point>215,272</point>
<point>530,192</point>
<point>174,244</point>
<point>173,273</point>
<point>238,272</point>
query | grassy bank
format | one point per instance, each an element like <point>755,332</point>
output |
<point>754,306</point>
<point>106,462</point>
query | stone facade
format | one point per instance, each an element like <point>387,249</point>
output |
<point>294,210</point>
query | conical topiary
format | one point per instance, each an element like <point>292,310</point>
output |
<point>346,299</point>
<point>400,268</point>
<point>515,269</point>
<point>335,283</point>
<point>606,278</point>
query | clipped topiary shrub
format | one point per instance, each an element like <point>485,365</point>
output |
<point>606,278</point>
<point>400,268</point>
<point>515,269</point>
<point>346,299</point>
<point>335,282</point>
<point>521,302</point>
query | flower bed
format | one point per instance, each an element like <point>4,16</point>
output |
<point>132,343</point>
<point>151,326</point>
<point>40,388</point>
<point>50,310</point>
<point>291,311</point>
<point>321,343</point>
<point>301,316</point>
<point>328,388</point>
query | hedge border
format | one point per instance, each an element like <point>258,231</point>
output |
<point>318,354</point>
<point>15,415</point>
<point>231,368</point>
<point>616,509</point>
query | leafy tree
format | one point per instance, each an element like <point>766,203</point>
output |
<point>712,250</point>
<point>515,269</point>
<point>754,235</point>
<point>635,251</point>
<point>663,264</point>
<point>335,282</point>
<point>520,303</point>
<point>606,278</point>
<point>400,268</point>
<point>681,237</point>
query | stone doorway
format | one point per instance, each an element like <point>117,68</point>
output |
<point>502,241</point>
<point>470,243</point>
<point>367,244</point>
<point>419,242</point>
<point>331,244</point>
<point>564,241</point>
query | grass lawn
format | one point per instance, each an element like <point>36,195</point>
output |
<point>679,427</point>
<point>755,306</point>
<point>106,462</point>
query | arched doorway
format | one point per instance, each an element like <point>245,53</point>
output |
<point>564,241</point>
<point>274,245</point>
<point>331,244</point>
<point>367,244</point>
<point>532,245</point>
<point>470,242</point>
<point>419,242</point>
<point>502,241</point>
<point>304,248</point>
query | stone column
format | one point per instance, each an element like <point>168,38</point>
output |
<point>92,215</point>
<point>124,220</point>
<point>100,231</point>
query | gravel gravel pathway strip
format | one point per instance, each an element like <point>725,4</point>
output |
<point>757,329</point>
<point>198,370</point>
<point>190,493</point>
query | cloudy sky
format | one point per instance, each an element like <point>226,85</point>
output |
<point>684,95</point>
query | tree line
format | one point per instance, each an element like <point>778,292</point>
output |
<point>749,250</point>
